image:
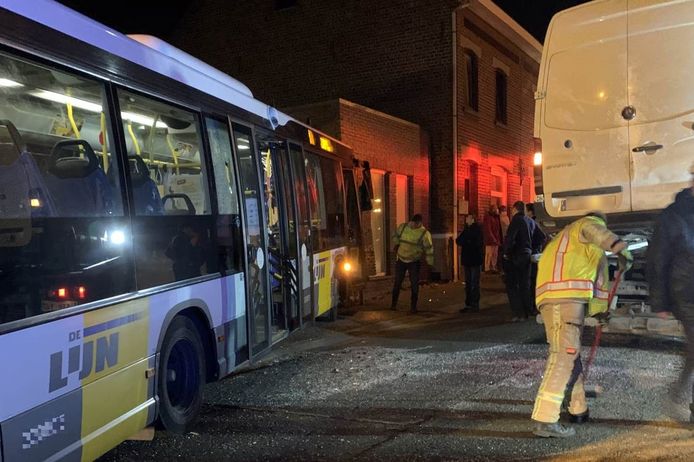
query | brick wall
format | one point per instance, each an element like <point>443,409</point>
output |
<point>390,144</point>
<point>482,142</point>
<point>390,55</point>
<point>394,56</point>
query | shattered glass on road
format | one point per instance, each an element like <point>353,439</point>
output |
<point>437,386</point>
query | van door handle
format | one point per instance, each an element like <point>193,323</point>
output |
<point>648,148</point>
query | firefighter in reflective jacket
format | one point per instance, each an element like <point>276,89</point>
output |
<point>412,243</point>
<point>572,282</point>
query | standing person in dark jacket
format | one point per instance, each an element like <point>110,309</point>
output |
<point>539,243</point>
<point>520,241</point>
<point>471,242</point>
<point>670,271</point>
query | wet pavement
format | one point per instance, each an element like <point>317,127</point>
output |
<point>438,385</point>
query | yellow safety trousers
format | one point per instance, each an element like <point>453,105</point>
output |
<point>564,371</point>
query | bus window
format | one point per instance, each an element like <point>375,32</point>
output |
<point>333,232</point>
<point>326,198</point>
<point>229,221</point>
<point>316,199</point>
<point>173,232</point>
<point>63,238</point>
<point>353,216</point>
<point>165,142</point>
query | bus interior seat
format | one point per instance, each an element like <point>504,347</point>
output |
<point>145,192</point>
<point>20,178</point>
<point>76,181</point>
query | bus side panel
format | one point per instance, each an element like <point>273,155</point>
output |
<point>234,349</point>
<point>127,394</point>
<point>224,302</point>
<point>107,395</point>
<point>325,289</point>
<point>82,379</point>
<point>52,428</point>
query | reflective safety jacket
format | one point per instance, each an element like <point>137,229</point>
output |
<point>574,265</point>
<point>413,243</point>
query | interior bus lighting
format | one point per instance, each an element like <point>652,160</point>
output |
<point>9,83</point>
<point>64,99</point>
<point>142,119</point>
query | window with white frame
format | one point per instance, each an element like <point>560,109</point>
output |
<point>498,186</point>
<point>402,199</point>
<point>378,221</point>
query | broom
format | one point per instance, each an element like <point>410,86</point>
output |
<point>595,390</point>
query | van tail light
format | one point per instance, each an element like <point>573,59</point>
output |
<point>81,292</point>
<point>537,166</point>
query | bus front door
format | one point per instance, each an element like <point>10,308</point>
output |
<point>282,236</point>
<point>303,215</point>
<point>257,283</point>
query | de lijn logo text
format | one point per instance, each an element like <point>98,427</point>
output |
<point>96,354</point>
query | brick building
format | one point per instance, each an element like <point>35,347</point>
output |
<point>462,70</point>
<point>398,156</point>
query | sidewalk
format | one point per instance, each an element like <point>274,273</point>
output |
<point>438,318</point>
<point>440,297</point>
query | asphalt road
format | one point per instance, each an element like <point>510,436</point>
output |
<point>382,385</point>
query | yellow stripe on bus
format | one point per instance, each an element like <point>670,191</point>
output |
<point>116,384</point>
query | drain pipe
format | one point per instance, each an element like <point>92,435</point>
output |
<point>454,41</point>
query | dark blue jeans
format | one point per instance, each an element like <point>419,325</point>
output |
<point>472,286</point>
<point>400,269</point>
<point>517,273</point>
<point>681,390</point>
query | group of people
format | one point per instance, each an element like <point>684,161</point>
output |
<point>511,244</point>
<point>572,282</point>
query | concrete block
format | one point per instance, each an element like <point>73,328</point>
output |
<point>639,323</point>
<point>619,324</point>
<point>665,326</point>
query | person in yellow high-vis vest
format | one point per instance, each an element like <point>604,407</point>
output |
<point>412,243</point>
<point>572,282</point>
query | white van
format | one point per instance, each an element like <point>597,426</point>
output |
<point>614,116</point>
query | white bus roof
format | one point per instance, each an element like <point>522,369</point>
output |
<point>149,52</point>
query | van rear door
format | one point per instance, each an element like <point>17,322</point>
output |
<point>661,90</point>
<point>583,92</point>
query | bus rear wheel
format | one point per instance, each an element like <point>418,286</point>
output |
<point>181,376</point>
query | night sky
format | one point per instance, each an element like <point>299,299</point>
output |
<point>142,16</point>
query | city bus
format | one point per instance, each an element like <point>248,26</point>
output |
<point>159,228</point>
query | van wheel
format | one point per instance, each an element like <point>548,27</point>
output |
<point>181,376</point>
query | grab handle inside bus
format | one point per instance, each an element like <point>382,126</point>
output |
<point>189,204</point>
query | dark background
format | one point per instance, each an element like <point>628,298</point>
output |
<point>157,18</point>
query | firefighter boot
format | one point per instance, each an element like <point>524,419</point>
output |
<point>553,430</point>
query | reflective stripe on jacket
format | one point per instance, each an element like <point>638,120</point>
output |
<point>413,243</point>
<point>571,268</point>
